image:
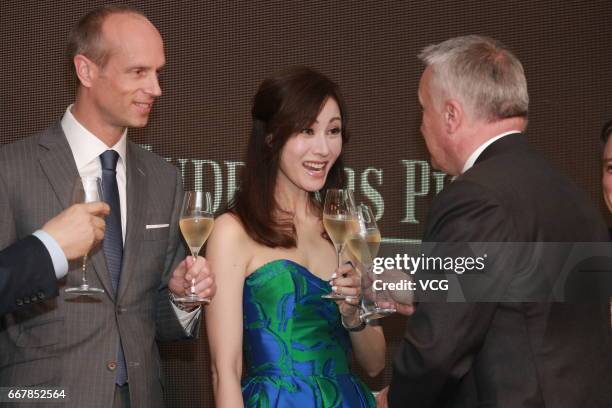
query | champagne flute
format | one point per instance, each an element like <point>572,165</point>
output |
<point>363,240</point>
<point>364,243</point>
<point>338,214</point>
<point>196,224</point>
<point>86,190</point>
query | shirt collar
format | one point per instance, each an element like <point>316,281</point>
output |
<point>474,156</point>
<point>85,145</point>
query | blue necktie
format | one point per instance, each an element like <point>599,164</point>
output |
<point>113,238</point>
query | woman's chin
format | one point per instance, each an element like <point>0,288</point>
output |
<point>313,186</point>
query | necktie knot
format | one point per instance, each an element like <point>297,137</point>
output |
<point>109,159</point>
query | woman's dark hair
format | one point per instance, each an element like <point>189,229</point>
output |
<point>284,105</point>
<point>606,131</point>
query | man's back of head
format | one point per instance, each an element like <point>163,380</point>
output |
<point>480,72</point>
<point>472,90</point>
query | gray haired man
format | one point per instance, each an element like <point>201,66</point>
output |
<point>498,354</point>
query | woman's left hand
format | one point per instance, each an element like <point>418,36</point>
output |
<point>347,282</point>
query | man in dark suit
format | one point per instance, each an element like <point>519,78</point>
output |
<point>102,349</point>
<point>30,268</point>
<point>500,353</point>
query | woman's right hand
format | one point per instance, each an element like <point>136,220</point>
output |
<point>346,281</point>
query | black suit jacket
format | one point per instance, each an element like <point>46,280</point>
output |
<point>26,275</point>
<point>503,354</point>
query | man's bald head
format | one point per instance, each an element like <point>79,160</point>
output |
<point>88,36</point>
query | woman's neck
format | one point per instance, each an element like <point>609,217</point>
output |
<point>294,201</point>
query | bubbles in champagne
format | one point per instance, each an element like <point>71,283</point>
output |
<point>196,230</point>
<point>338,227</point>
<point>364,248</point>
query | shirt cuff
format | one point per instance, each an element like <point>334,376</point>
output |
<point>187,319</point>
<point>60,263</point>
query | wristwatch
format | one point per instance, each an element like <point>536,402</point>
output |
<point>359,327</point>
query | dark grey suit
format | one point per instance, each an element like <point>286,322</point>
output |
<point>73,342</point>
<point>509,354</point>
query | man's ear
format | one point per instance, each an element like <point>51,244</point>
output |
<point>453,115</point>
<point>86,70</point>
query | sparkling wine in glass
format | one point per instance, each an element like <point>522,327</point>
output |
<point>364,243</point>
<point>196,224</point>
<point>364,248</point>
<point>338,215</point>
<point>86,190</point>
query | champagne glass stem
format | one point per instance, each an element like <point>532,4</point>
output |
<point>193,289</point>
<point>339,251</point>
<point>84,274</point>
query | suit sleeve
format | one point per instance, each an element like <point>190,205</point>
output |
<point>441,339</point>
<point>26,275</point>
<point>168,326</point>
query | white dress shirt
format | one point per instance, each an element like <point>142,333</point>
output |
<point>474,156</point>
<point>58,258</point>
<point>86,150</point>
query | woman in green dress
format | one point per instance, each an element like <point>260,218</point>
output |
<point>273,261</point>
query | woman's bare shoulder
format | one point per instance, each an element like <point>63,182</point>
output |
<point>229,229</point>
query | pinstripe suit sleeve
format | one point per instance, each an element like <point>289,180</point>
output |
<point>168,327</point>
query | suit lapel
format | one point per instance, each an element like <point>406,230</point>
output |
<point>58,163</point>
<point>136,199</point>
<point>61,171</point>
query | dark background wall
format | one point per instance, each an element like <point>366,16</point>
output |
<point>218,52</point>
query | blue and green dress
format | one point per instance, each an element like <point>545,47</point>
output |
<point>296,351</point>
